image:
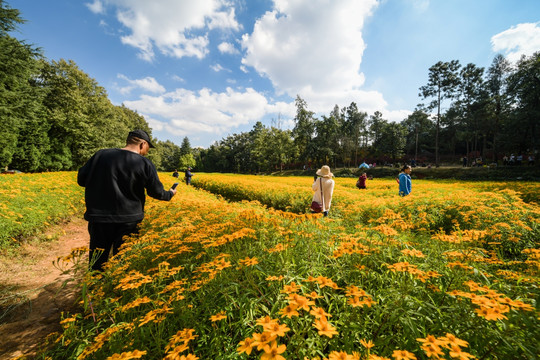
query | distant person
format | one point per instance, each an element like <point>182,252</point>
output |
<point>464,160</point>
<point>323,188</point>
<point>115,181</point>
<point>188,175</point>
<point>363,166</point>
<point>361,183</point>
<point>405,184</point>
<point>530,160</point>
<point>175,174</point>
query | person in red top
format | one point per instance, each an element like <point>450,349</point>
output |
<point>361,183</point>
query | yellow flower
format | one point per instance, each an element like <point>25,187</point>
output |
<point>367,344</point>
<point>403,355</point>
<point>289,311</point>
<point>273,351</point>
<point>325,328</point>
<point>246,346</point>
<point>136,354</point>
<point>340,355</point>
<point>219,316</point>
<point>266,320</point>
<point>276,329</point>
<point>453,340</point>
<point>249,261</point>
<point>456,352</point>
<point>302,302</point>
<point>291,288</point>
<point>319,313</point>
<point>261,340</point>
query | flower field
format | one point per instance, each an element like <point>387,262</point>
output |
<point>31,202</point>
<point>449,272</point>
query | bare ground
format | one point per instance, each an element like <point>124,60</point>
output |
<point>33,292</point>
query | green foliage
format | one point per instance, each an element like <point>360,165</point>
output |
<point>186,161</point>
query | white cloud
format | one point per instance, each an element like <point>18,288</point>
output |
<point>206,111</point>
<point>218,68</point>
<point>147,84</point>
<point>313,48</point>
<point>178,78</point>
<point>96,7</point>
<point>522,39</point>
<point>227,48</point>
<point>179,31</point>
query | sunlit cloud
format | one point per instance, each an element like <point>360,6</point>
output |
<point>519,40</point>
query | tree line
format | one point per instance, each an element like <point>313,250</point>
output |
<point>54,116</point>
<point>467,112</point>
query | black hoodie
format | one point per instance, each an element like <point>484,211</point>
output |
<point>114,181</point>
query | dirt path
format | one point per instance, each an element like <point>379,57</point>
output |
<point>37,290</point>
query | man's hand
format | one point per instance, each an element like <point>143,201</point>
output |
<point>173,191</point>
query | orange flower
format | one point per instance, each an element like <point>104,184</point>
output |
<point>325,328</point>
<point>289,311</point>
<point>276,329</point>
<point>313,295</point>
<point>266,320</point>
<point>494,313</point>
<point>403,355</point>
<point>136,354</point>
<point>249,261</point>
<point>291,288</point>
<point>219,316</point>
<point>273,351</point>
<point>246,346</point>
<point>453,340</point>
<point>302,302</point>
<point>367,344</point>
<point>319,313</point>
<point>340,355</point>
<point>456,352</point>
<point>261,340</point>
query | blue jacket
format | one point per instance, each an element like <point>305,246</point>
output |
<point>404,184</point>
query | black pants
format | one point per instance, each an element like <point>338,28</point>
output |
<point>107,235</point>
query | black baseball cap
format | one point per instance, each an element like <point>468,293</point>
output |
<point>141,134</point>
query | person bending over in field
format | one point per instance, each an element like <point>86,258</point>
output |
<point>115,181</point>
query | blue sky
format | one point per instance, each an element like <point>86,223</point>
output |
<point>206,69</point>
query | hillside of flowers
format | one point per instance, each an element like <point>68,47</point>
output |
<point>449,272</point>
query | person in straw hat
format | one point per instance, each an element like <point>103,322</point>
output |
<point>323,181</point>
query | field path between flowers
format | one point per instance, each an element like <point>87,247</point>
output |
<point>39,289</point>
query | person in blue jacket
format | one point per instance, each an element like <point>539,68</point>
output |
<point>188,175</point>
<point>405,180</point>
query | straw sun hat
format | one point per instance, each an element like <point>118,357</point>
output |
<point>325,172</point>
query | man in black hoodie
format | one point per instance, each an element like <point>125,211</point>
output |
<point>115,181</point>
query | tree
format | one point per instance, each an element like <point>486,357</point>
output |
<point>497,79</point>
<point>442,82</point>
<point>524,88</point>
<point>186,160</point>
<point>471,103</point>
<point>303,130</point>
<point>392,140</point>
<point>21,110</point>
<point>355,124</point>
<point>185,148</point>
<point>81,116</point>
<point>419,129</point>
<point>170,155</point>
